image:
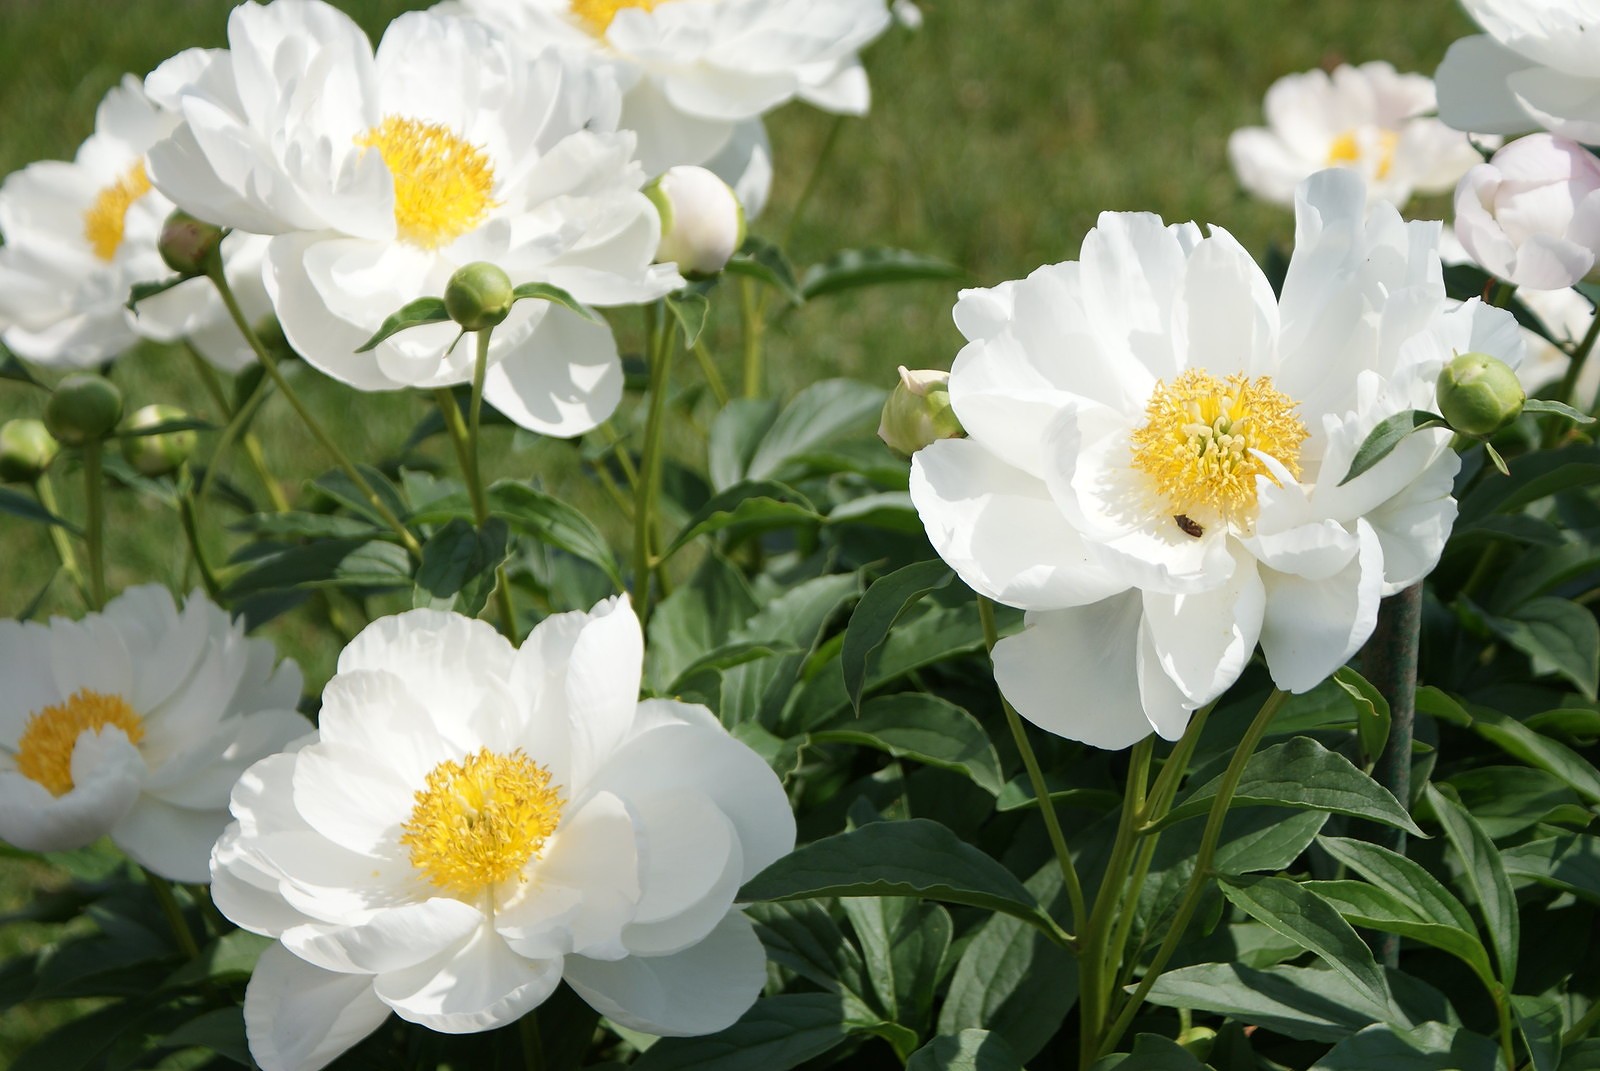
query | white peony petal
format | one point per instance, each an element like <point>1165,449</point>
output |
<point>564,379</point>
<point>1312,627</point>
<point>1204,640</point>
<point>393,939</point>
<point>703,989</point>
<point>481,986</point>
<point>1072,673</point>
<point>175,842</point>
<point>301,1018</point>
<point>107,773</point>
<point>1473,94</point>
<point>1228,309</point>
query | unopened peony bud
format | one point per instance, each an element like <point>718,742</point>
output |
<point>1531,215</point>
<point>702,222</point>
<point>157,455</point>
<point>83,408</point>
<point>1479,394</point>
<point>188,245</point>
<point>479,296</point>
<point>918,412</point>
<point>26,450</point>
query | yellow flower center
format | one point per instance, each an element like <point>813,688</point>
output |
<point>478,822</point>
<point>104,220</point>
<point>1346,149</point>
<point>1199,444</point>
<point>44,751</point>
<point>597,14</point>
<point>442,184</point>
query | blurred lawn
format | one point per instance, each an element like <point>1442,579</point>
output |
<point>998,133</point>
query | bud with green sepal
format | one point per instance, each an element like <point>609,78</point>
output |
<point>702,221</point>
<point>83,408</point>
<point>479,296</point>
<point>26,450</point>
<point>188,245</point>
<point>918,412</point>
<point>160,452</point>
<point>1479,394</point>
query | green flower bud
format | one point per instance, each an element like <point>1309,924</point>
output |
<point>702,221</point>
<point>83,408</point>
<point>26,450</point>
<point>478,296</point>
<point>157,455</point>
<point>1198,1041</point>
<point>187,245</point>
<point>918,412</point>
<point>1479,394</point>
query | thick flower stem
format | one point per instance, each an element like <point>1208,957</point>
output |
<point>270,364</point>
<point>660,335</point>
<point>1041,792</point>
<point>95,521</point>
<point>1202,871</point>
<point>162,888</point>
<point>1390,663</point>
<point>247,439</point>
<point>45,492</point>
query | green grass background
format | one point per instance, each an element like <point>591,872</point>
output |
<point>998,133</point>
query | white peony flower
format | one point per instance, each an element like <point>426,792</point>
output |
<point>1531,215</point>
<point>1155,447</point>
<point>1537,66</point>
<point>702,222</point>
<point>1368,118</point>
<point>699,74</point>
<point>136,722</point>
<point>477,823</point>
<point>79,235</point>
<point>380,174</point>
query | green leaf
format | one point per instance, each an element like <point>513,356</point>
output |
<point>886,600</point>
<point>19,505</point>
<point>728,656</point>
<point>1549,405</point>
<point>1012,980</point>
<point>903,943</point>
<point>356,563</point>
<point>1557,635</point>
<point>540,515</point>
<point>1539,1020</point>
<point>221,1031</point>
<point>13,369</point>
<point>761,690</point>
<point>776,1034</point>
<point>1486,876</point>
<point>818,415</point>
<point>850,269</point>
<point>299,525</point>
<point>143,291</point>
<point>1377,909</point>
<point>1538,750</point>
<point>459,563</point>
<point>1372,710</point>
<point>1582,1056</point>
<point>691,311</point>
<point>556,296</point>
<point>339,487</point>
<point>230,958</point>
<point>910,858</point>
<point>427,310</point>
<point>1151,1052</point>
<point>1403,879</point>
<point>1429,1047</point>
<point>1302,774</point>
<point>696,620</point>
<point>970,1050</point>
<point>802,936</point>
<point>82,1043</point>
<point>1311,922</point>
<point>924,728</point>
<point>1570,862</point>
<point>1308,1003</point>
<point>755,506</point>
<point>1538,475</point>
<point>735,435</point>
<point>1389,433</point>
<point>766,263</point>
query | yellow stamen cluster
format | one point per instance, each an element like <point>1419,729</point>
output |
<point>597,14</point>
<point>442,184</point>
<point>479,821</point>
<point>104,221</point>
<point>1346,149</point>
<point>44,751</point>
<point>1198,441</point>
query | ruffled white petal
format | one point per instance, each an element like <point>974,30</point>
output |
<point>301,1018</point>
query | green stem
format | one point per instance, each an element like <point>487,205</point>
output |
<point>532,1042</point>
<point>709,369</point>
<point>661,336</point>
<point>45,492</point>
<point>1569,382</point>
<point>188,513</point>
<point>235,431</point>
<point>95,521</point>
<point>247,439</point>
<point>1390,663</point>
<point>1095,969</point>
<point>753,325</point>
<point>174,914</point>
<point>1202,868</point>
<point>1502,1011</point>
<point>270,364</point>
<point>1583,1026</point>
<point>1041,791</point>
<point>624,462</point>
